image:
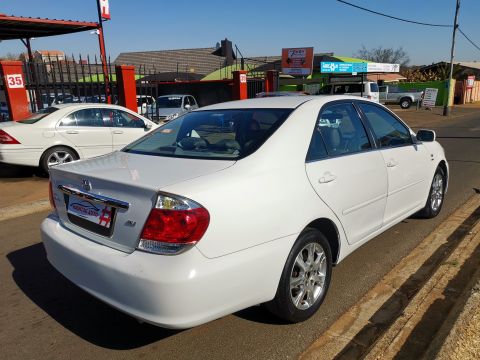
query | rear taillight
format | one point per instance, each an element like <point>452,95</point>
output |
<point>50,196</point>
<point>174,225</point>
<point>7,139</point>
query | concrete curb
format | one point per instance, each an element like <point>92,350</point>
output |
<point>14,211</point>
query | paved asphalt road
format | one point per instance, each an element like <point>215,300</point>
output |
<point>43,316</point>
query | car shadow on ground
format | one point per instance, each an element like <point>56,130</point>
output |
<point>8,171</point>
<point>75,309</point>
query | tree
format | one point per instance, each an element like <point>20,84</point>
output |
<point>10,56</point>
<point>384,55</point>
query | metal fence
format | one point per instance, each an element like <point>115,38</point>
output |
<point>68,81</point>
<point>81,80</point>
<point>255,86</point>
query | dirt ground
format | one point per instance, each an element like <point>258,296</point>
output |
<point>463,343</point>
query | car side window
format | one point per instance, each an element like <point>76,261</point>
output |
<point>86,117</point>
<point>388,131</point>
<point>340,130</point>
<point>119,118</point>
<point>192,101</point>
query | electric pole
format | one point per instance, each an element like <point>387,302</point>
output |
<point>446,108</point>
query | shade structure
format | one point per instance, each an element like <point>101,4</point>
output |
<point>17,27</point>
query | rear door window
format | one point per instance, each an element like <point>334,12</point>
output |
<point>123,119</point>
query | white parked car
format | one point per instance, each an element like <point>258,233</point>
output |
<point>238,204</point>
<point>67,132</point>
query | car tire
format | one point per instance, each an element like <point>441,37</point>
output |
<point>435,195</point>
<point>56,156</point>
<point>303,283</point>
<point>405,103</point>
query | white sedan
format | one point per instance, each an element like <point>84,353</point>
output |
<point>238,204</point>
<point>63,133</point>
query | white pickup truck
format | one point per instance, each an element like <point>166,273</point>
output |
<point>394,95</point>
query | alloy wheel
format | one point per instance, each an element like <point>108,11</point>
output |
<point>436,196</point>
<point>59,157</point>
<point>307,278</point>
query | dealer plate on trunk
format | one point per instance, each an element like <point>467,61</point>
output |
<point>95,212</point>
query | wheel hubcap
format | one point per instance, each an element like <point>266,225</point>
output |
<point>307,279</point>
<point>436,197</point>
<point>59,157</point>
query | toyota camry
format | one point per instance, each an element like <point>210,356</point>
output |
<point>237,204</point>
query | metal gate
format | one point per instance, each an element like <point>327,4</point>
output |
<point>255,86</point>
<point>68,81</point>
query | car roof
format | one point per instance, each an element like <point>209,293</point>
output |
<point>86,105</point>
<point>278,102</point>
<point>174,95</point>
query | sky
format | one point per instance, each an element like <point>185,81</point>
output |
<point>258,27</point>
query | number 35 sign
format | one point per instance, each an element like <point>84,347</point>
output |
<point>14,81</point>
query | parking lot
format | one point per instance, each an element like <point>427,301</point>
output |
<point>43,315</point>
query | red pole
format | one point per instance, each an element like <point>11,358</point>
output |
<point>15,91</point>
<point>127,87</point>
<point>240,85</point>
<point>103,55</point>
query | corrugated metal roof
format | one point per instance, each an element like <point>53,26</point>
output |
<point>200,60</point>
<point>18,27</point>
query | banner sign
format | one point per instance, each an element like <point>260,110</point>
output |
<point>382,67</point>
<point>359,67</point>
<point>342,67</point>
<point>430,97</point>
<point>470,81</point>
<point>297,61</point>
<point>105,9</point>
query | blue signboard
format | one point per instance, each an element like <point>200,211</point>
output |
<point>342,67</point>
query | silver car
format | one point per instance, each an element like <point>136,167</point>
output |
<point>169,107</point>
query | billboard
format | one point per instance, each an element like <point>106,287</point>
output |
<point>342,67</point>
<point>297,61</point>
<point>359,67</point>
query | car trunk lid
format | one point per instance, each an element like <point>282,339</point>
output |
<point>107,199</point>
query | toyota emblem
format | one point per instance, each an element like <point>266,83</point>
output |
<point>86,185</point>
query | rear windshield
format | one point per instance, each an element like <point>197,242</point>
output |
<point>213,134</point>
<point>38,115</point>
<point>169,102</point>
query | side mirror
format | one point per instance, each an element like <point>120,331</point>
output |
<point>426,135</point>
<point>187,106</point>
<point>148,126</point>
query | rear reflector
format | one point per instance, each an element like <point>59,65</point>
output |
<point>174,225</point>
<point>50,196</point>
<point>7,139</point>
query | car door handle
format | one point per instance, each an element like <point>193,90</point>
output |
<point>392,163</point>
<point>326,178</point>
<point>72,131</point>
<point>118,131</point>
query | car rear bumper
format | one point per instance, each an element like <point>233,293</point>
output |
<point>178,291</point>
<point>20,155</point>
